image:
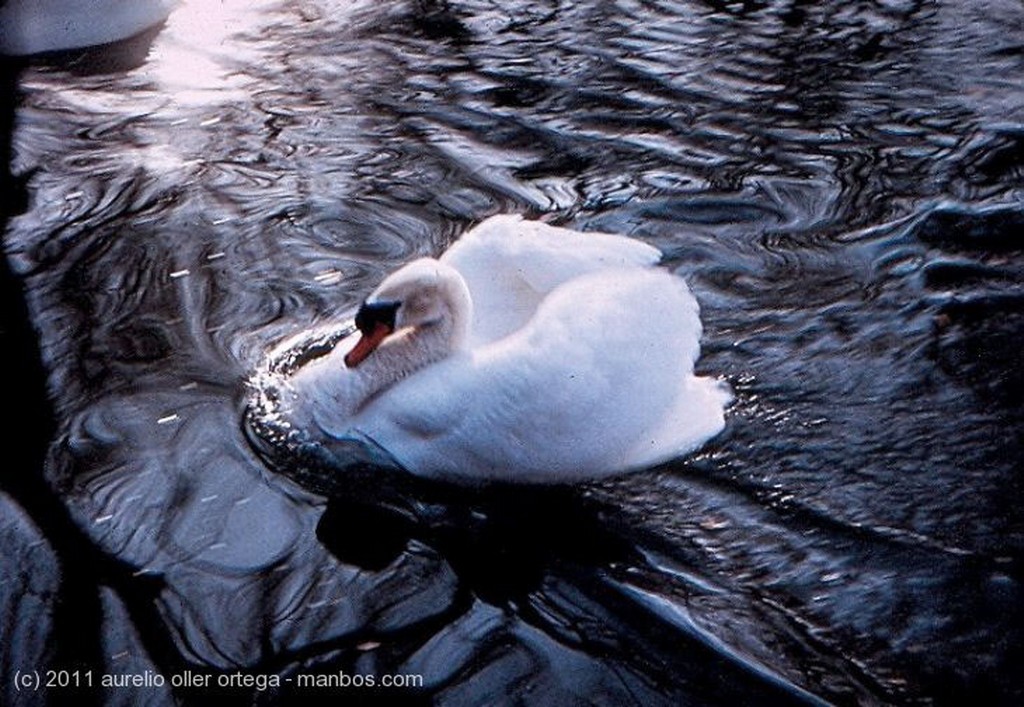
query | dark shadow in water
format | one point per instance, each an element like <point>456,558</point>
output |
<point>502,542</point>
<point>438,21</point>
<point>27,433</point>
<point>13,194</point>
<point>362,535</point>
<point>84,569</point>
<point>521,548</point>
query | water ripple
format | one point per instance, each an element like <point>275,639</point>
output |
<point>840,183</point>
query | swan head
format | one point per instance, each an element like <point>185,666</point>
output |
<point>426,296</point>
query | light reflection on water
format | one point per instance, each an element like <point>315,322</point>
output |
<point>200,55</point>
<point>854,533</point>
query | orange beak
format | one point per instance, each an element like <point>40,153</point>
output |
<point>367,344</point>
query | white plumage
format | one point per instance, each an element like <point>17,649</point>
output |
<point>34,26</point>
<point>526,353</point>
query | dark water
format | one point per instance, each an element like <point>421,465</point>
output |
<point>841,184</point>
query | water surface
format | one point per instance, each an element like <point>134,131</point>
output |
<point>840,184</point>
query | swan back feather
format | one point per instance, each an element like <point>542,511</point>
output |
<point>511,265</point>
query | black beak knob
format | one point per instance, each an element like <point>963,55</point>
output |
<point>373,313</point>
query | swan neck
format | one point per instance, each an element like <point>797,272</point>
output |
<point>414,348</point>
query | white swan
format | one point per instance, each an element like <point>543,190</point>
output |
<point>34,26</point>
<point>526,353</point>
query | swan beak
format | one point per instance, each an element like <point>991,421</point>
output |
<point>367,344</point>
<point>375,320</point>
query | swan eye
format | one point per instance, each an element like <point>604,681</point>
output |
<point>373,313</point>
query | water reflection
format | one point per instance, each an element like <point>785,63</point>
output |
<point>204,51</point>
<point>839,183</point>
<point>502,543</point>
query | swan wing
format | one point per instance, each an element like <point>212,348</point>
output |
<point>510,265</point>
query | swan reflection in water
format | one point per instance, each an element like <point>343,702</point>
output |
<point>525,354</point>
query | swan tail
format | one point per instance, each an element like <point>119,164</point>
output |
<point>697,416</point>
